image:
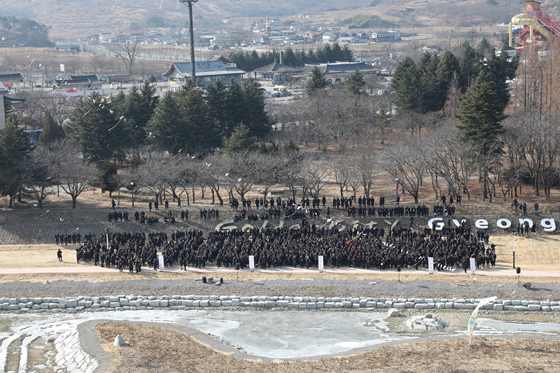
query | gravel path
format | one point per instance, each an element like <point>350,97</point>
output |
<point>279,287</point>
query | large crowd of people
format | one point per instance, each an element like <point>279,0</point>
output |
<point>361,247</point>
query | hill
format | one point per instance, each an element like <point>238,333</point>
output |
<point>77,18</point>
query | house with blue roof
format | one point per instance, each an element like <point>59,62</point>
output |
<point>207,72</point>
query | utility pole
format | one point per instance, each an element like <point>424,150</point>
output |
<point>189,4</point>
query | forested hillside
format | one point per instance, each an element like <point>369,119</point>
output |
<point>23,31</point>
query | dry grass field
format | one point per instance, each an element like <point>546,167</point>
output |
<point>154,349</point>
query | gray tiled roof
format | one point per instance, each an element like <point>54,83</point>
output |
<point>275,67</point>
<point>337,68</point>
<point>10,77</point>
<point>79,80</point>
<point>205,68</point>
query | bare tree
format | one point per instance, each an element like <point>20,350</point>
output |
<point>73,175</point>
<point>238,36</point>
<point>173,177</point>
<point>270,171</point>
<point>446,157</point>
<point>342,172</point>
<point>242,168</point>
<point>315,173</point>
<point>127,51</point>
<point>404,161</point>
<point>532,141</point>
<point>367,171</point>
<point>153,174</point>
<point>215,175</point>
<point>296,160</point>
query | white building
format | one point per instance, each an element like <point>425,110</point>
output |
<point>79,86</point>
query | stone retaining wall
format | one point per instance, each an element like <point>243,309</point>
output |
<point>182,302</point>
<point>70,357</point>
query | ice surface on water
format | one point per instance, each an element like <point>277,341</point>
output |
<point>269,334</point>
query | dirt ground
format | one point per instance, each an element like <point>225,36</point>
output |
<point>154,349</point>
<point>538,253</point>
<point>36,256</point>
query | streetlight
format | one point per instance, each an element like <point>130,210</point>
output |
<point>189,4</point>
<point>397,185</point>
<point>132,189</point>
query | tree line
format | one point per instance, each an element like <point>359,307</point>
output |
<point>23,31</point>
<point>354,141</point>
<point>425,86</point>
<point>249,61</point>
<point>187,120</point>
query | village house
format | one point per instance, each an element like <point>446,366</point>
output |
<point>78,86</point>
<point>5,103</point>
<point>207,72</point>
<point>338,72</point>
<point>11,81</point>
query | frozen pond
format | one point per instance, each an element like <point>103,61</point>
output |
<point>273,334</point>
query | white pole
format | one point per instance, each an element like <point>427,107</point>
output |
<point>107,240</point>
<point>513,251</point>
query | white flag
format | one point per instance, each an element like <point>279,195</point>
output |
<point>251,263</point>
<point>321,264</point>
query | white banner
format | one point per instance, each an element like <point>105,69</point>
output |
<point>161,263</point>
<point>473,266</point>
<point>430,266</point>
<point>61,67</point>
<point>251,263</point>
<point>321,264</point>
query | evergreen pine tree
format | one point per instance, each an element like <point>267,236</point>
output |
<point>469,66</point>
<point>406,81</point>
<point>311,57</point>
<point>216,97</point>
<point>234,107</point>
<point>444,74</point>
<point>239,140</point>
<point>255,116</point>
<point>355,82</point>
<point>98,130</point>
<point>348,55</point>
<point>481,116</point>
<point>316,80</point>
<point>166,127</point>
<point>14,146</point>
<point>255,60</point>
<point>321,55</point>
<point>107,173</point>
<point>497,68</point>
<point>301,58</point>
<point>290,58</point>
<point>329,57</point>
<point>51,131</point>
<point>484,47</point>
<point>202,133</point>
<point>430,93</point>
<point>337,53</point>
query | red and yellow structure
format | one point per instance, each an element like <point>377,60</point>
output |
<point>537,26</point>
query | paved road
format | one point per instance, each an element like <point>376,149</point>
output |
<point>284,270</point>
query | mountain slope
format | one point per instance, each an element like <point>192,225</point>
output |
<point>78,18</point>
